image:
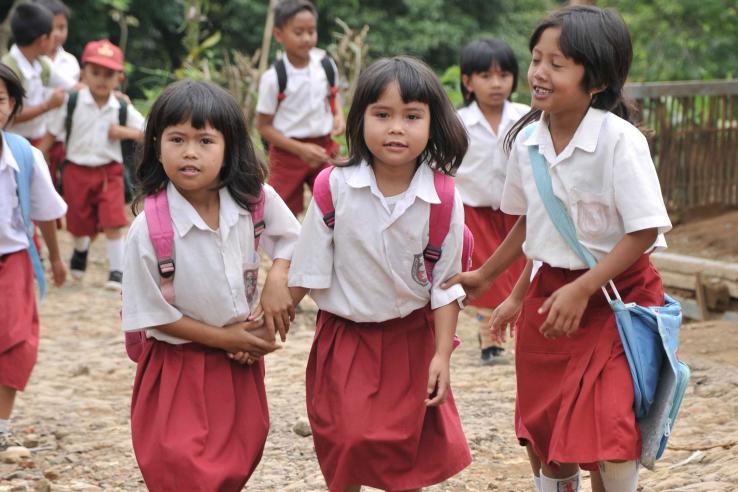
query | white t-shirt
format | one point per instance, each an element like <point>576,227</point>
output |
<point>66,64</point>
<point>305,111</point>
<point>46,204</point>
<point>481,176</point>
<point>370,267</point>
<point>88,143</point>
<point>606,178</point>
<point>210,281</point>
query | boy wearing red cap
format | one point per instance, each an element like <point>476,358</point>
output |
<point>92,176</point>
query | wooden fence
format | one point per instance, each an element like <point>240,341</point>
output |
<point>694,140</point>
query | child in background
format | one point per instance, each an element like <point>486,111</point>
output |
<point>32,25</point>
<point>199,419</point>
<point>378,388</point>
<point>298,123</point>
<point>575,393</point>
<point>92,176</point>
<point>489,75</point>
<point>26,194</point>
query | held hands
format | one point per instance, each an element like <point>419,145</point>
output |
<point>116,132</point>
<point>276,301</point>
<point>505,315</point>
<point>565,308</point>
<point>439,380</point>
<point>314,155</point>
<point>243,343</point>
<point>473,282</point>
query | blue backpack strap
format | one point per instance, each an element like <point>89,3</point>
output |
<point>21,150</point>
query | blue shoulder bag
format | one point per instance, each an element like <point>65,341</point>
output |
<point>650,334</point>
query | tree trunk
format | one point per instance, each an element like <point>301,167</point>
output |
<point>266,40</point>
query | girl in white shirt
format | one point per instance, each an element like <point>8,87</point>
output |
<point>489,75</point>
<point>575,393</point>
<point>378,387</point>
<point>199,415</point>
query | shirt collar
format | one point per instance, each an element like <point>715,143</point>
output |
<point>421,186</point>
<point>585,138</point>
<point>7,159</point>
<point>85,96</point>
<point>29,69</point>
<point>185,217</point>
<point>472,115</point>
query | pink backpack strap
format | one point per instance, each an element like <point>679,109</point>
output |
<point>440,221</point>
<point>257,217</point>
<point>159,221</point>
<point>323,197</point>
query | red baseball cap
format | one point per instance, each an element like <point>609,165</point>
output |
<point>104,53</point>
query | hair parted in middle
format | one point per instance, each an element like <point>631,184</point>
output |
<point>482,55</point>
<point>448,139</point>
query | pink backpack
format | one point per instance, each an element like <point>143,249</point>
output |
<point>159,222</point>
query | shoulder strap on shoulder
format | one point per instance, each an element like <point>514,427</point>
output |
<point>440,220</point>
<point>330,75</point>
<point>323,196</point>
<point>45,70</point>
<point>281,70</point>
<point>71,104</point>
<point>21,150</point>
<point>11,62</point>
<point>122,111</point>
<point>257,217</point>
<point>161,234</point>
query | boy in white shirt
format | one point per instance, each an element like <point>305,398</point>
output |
<point>92,175</point>
<point>298,119</point>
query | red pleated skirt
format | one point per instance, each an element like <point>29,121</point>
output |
<point>575,394</point>
<point>489,228</point>
<point>19,328</point>
<point>199,421</point>
<point>366,386</point>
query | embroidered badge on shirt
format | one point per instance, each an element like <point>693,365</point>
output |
<point>249,282</point>
<point>419,273</point>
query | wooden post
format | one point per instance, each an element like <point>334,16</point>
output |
<point>266,39</point>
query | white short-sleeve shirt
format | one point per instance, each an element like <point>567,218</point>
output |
<point>481,176</point>
<point>210,281</point>
<point>370,267</point>
<point>36,92</point>
<point>66,64</point>
<point>46,204</point>
<point>606,178</point>
<point>305,111</point>
<point>88,144</point>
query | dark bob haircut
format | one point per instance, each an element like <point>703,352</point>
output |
<point>448,139</point>
<point>201,104</point>
<point>287,9</point>
<point>30,21</point>
<point>15,90</point>
<point>597,39</point>
<point>484,54</point>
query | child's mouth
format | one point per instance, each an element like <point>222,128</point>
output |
<point>189,170</point>
<point>541,92</point>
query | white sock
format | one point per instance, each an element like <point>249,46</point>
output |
<point>82,243</point>
<point>619,477</point>
<point>115,254</point>
<point>4,426</point>
<point>569,484</point>
<point>537,482</point>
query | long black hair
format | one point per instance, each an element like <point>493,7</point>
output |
<point>448,139</point>
<point>482,55</point>
<point>597,39</point>
<point>14,88</point>
<point>200,104</point>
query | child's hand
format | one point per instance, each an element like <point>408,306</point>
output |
<point>276,300</point>
<point>314,155</point>
<point>474,284</point>
<point>505,315</point>
<point>56,99</point>
<point>439,380</point>
<point>240,337</point>
<point>339,125</point>
<point>115,132</point>
<point>565,308</point>
<point>58,271</point>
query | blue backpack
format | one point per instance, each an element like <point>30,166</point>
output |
<point>21,150</point>
<point>650,335</point>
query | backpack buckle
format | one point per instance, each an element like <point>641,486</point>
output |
<point>166,267</point>
<point>432,253</point>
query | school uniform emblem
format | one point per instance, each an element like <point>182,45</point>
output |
<point>249,283</point>
<point>419,274</point>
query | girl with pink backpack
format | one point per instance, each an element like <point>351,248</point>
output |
<point>199,415</point>
<point>382,232</point>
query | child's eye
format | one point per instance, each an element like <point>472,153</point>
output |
<point>175,139</point>
<point>382,114</point>
<point>207,140</point>
<point>413,116</point>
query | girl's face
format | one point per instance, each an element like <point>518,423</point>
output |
<point>60,29</point>
<point>490,88</point>
<point>6,104</point>
<point>396,132</point>
<point>555,81</point>
<point>192,157</point>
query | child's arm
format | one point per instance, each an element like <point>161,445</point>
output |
<point>30,112</point>
<point>118,132</point>
<point>58,269</point>
<point>297,293</point>
<point>312,154</point>
<point>507,313</point>
<point>439,372</point>
<point>276,299</point>
<point>339,123</point>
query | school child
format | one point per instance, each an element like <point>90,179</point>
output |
<point>199,419</point>
<point>575,394</point>
<point>298,110</point>
<point>26,195</point>
<point>378,392</point>
<point>489,75</point>
<point>31,25</point>
<point>92,175</point>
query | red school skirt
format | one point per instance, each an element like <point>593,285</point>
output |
<point>489,228</point>
<point>199,421</point>
<point>366,386</point>
<point>19,320</point>
<point>575,394</point>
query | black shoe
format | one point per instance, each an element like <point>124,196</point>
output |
<point>115,278</point>
<point>492,355</point>
<point>78,264</point>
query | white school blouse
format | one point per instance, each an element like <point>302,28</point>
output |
<point>305,111</point>
<point>66,64</point>
<point>210,284</point>
<point>46,204</point>
<point>370,268</point>
<point>88,143</point>
<point>606,178</point>
<point>481,176</point>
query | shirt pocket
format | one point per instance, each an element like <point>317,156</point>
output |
<point>250,279</point>
<point>593,213</point>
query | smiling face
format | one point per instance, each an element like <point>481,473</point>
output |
<point>490,88</point>
<point>555,81</point>
<point>192,157</point>
<point>59,32</point>
<point>6,104</point>
<point>396,132</point>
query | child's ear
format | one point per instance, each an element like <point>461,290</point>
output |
<point>466,81</point>
<point>596,90</point>
<point>277,33</point>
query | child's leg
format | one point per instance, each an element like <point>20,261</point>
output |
<point>535,466</point>
<point>115,246</point>
<point>619,476</point>
<point>78,262</point>
<point>7,398</point>
<point>596,480</point>
<point>564,477</point>
<point>353,488</point>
